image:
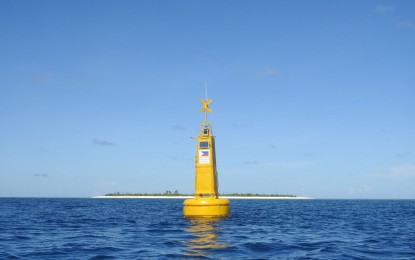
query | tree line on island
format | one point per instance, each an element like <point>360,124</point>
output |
<point>176,193</point>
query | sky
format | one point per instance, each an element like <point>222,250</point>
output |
<point>311,98</point>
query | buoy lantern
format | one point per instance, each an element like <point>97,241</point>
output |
<point>206,202</point>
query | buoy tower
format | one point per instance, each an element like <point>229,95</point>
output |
<point>206,202</point>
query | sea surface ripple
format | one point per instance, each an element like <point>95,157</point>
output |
<point>43,228</point>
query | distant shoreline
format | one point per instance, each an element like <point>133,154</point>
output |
<point>189,197</point>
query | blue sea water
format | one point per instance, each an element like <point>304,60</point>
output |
<point>33,228</point>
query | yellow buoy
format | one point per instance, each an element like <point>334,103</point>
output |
<point>206,202</point>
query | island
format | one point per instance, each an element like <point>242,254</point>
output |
<point>176,194</point>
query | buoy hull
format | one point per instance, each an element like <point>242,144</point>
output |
<point>206,207</point>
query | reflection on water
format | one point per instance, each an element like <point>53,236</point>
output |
<point>205,237</point>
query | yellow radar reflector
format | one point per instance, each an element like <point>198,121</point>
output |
<point>206,107</point>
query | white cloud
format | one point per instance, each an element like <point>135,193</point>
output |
<point>294,164</point>
<point>402,171</point>
<point>103,142</point>
<point>385,9</point>
<point>40,175</point>
<point>398,172</point>
<point>361,190</point>
<point>179,127</point>
<point>251,162</point>
<point>407,25</point>
<point>269,72</point>
<point>39,80</point>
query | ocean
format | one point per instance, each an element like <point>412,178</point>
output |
<point>46,228</point>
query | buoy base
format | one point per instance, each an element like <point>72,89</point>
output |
<point>206,207</point>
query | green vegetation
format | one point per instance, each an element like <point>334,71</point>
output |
<point>256,195</point>
<point>176,193</point>
<point>166,193</point>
